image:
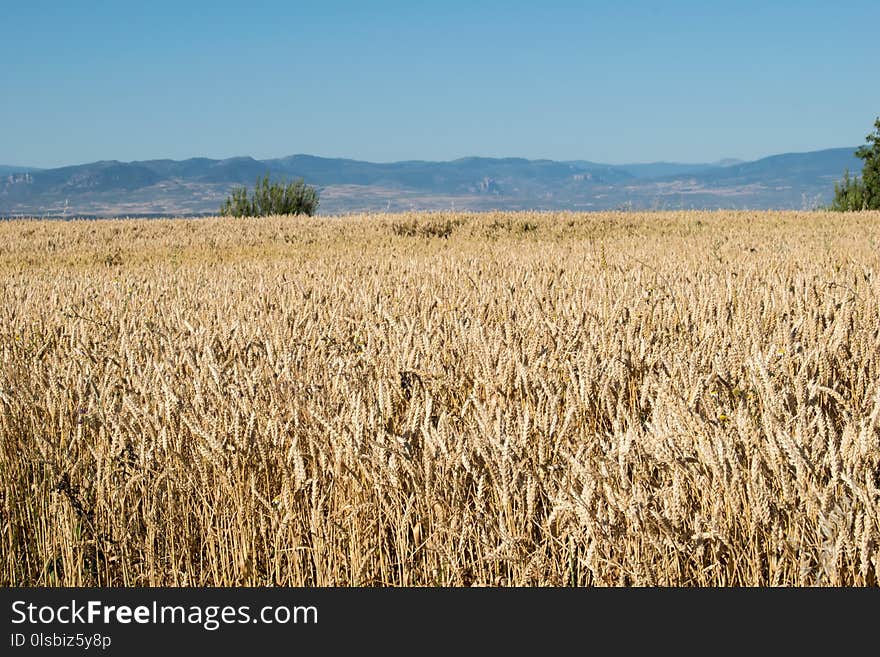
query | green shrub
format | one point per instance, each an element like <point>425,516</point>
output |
<point>270,198</point>
<point>849,194</point>
<point>861,192</point>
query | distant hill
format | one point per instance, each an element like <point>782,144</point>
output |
<point>201,169</point>
<point>199,185</point>
<point>824,166</point>
<point>659,169</point>
<point>789,180</point>
<point>6,169</point>
<point>462,175</point>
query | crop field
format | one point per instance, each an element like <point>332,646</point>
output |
<point>442,399</point>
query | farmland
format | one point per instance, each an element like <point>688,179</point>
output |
<point>450,399</point>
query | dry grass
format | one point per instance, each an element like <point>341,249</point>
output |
<point>502,399</point>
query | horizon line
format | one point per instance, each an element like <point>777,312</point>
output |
<point>447,161</point>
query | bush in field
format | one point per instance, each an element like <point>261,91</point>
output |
<point>271,198</point>
<point>862,193</point>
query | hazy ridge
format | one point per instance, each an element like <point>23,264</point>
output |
<point>197,186</point>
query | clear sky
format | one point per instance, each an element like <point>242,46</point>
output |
<point>612,82</point>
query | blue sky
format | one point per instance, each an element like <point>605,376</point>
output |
<point>383,81</point>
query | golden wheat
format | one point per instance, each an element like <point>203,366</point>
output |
<point>685,399</point>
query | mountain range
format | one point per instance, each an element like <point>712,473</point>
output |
<point>197,186</point>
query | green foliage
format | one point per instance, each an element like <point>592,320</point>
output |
<point>849,194</point>
<point>861,192</point>
<point>269,198</point>
<point>870,153</point>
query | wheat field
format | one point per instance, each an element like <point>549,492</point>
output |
<point>442,399</point>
